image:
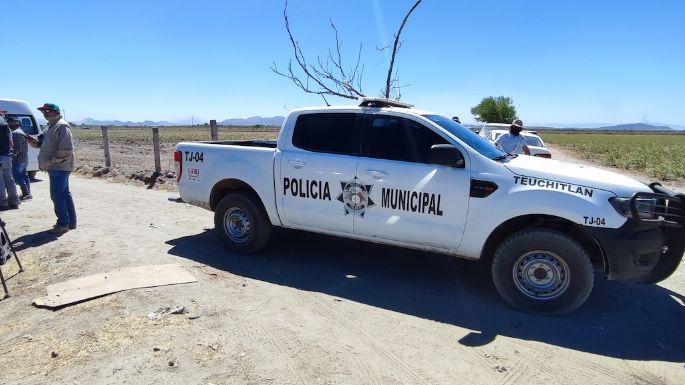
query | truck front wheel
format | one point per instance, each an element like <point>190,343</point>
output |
<point>542,271</point>
<point>241,223</point>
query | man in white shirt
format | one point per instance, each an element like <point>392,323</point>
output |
<point>513,142</point>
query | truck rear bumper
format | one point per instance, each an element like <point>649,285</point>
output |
<point>645,251</point>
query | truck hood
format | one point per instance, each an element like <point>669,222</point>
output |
<point>576,174</point>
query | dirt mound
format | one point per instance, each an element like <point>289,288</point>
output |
<point>151,179</point>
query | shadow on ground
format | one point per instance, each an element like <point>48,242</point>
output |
<point>619,319</point>
<point>34,240</point>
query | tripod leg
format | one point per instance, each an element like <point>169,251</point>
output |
<point>4,285</point>
<point>16,258</point>
<point>7,238</point>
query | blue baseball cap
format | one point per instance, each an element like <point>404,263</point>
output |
<point>49,107</point>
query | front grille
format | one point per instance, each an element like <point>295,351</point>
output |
<point>653,207</point>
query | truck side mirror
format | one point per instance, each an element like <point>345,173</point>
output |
<point>446,155</point>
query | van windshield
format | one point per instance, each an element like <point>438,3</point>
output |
<point>28,125</point>
<point>467,136</point>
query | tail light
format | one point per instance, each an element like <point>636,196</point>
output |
<point>546,156</point>
<point>178,159</point>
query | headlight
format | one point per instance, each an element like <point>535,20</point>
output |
<point>645,207</point>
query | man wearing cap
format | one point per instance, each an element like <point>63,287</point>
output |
<point>513,142</point>
<point>8,190</point>
<point>56,156</point>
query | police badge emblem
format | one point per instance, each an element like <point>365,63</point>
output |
<point>355,197</point>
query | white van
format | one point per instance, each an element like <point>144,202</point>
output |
<point>29,124</point>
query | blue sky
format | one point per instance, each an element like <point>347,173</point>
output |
<point>569,62</point>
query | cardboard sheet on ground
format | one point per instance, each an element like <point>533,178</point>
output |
<point>80,289</point>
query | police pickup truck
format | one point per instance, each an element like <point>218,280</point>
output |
<point>388,173</point>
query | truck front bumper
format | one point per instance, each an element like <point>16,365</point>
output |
<point>646,251</point>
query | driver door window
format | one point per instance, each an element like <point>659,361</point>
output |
<point>400,139</point>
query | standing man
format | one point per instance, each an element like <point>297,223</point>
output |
<point>56,156</point>
<point>8,190</point>
<point>513,142</point>
<point>20,159</point>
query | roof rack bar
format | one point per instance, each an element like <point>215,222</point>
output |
<point>382,102</point>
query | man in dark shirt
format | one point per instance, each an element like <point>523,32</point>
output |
<point>20,159</point>
<point>8,190</point>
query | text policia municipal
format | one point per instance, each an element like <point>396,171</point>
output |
<point>313,189</point>
<point>411,201</point>
<point>567,187</point>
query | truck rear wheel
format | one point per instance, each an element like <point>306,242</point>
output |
<point>241,223</point>
<point>542,271</point>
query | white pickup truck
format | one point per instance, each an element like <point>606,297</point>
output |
<point>388,173</point>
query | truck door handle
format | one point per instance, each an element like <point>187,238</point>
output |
<point>297,163</point>
<point>377,174</point>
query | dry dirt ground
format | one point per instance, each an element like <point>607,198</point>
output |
<point>133,162</point>
<point>133,156</point>
<point>308,310</point>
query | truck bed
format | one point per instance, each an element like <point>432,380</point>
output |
<point>246,143</point>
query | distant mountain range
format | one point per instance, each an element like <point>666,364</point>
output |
<point>273,121</point>
<point>251,121</point>
<point>607,127</point>
<point>278,120</point>
<point>636,127</point>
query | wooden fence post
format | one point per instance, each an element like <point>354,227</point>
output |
<point>155,142</point>
<point>105,145</point>
<point>213,128</point>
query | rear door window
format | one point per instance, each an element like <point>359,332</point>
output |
<point>334,133</point>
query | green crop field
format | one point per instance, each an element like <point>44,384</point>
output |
<point>660,155</point>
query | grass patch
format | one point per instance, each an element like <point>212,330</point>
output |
<point>660,156</point>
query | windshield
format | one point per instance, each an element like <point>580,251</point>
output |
<point>533,141</point>
<point>467,136</point>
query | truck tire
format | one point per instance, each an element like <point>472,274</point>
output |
<point>241,223</point>
<point>542,271</point>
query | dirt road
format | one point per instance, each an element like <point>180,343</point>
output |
<point>309,310</point>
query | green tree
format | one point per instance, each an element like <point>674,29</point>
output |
<point>492,109</point>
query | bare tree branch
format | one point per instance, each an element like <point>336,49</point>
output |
<point>328,76</point>
<point>394,49</point>
<point>321,75</point>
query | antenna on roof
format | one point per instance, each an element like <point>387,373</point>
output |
<point>382,102</point>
